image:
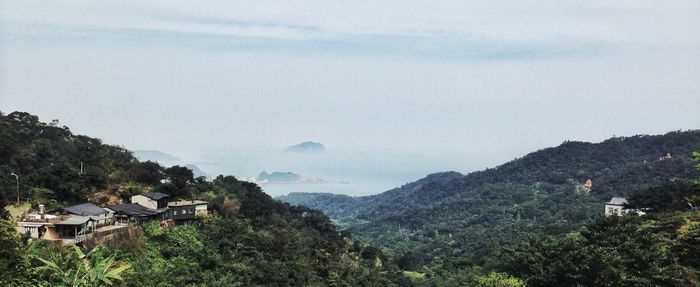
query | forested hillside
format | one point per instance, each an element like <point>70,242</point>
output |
<point>660,248</point>
<point>252,240</point>
<point>533,221</point>
<point>449,221</point>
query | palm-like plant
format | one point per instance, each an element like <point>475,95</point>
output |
<point>92,269</point>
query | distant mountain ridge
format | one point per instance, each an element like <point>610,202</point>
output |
<point>157,156</point>
<point>307,147</point>
<point>476,213</point>
<point>286,177</point>
<point>168,160</point>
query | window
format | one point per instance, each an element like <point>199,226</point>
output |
<point>174,212</point>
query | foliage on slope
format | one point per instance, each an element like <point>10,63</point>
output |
<point>451,222</point>
<point>252,240</point>
<point>659,248</point>
<point>654,250</point>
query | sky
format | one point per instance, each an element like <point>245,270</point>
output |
<point>485,80</point>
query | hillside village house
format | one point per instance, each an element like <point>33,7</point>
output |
<point>187,209</point>
<point>134,212</point>
<point>73,224</point>
<point>616,206</point>
<point>100,215</point>
<point>152,200</point>
<point>69,224</point>
<point>155,206</point>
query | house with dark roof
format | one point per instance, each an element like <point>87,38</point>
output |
<point>71,224</point>
<point>97,214</point>
<point>188,209</point>
<point>87,208</point>
<point>74,228</point>
<point>134,212</point>
<point>152,200</point>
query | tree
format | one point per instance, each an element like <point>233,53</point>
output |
<point>180,176</point>
<point>91,269</point>
<point>674,196</point>
<point>147,172</point>
<point>10,253</point>
<point>410,262</point>
<point>498,279</point>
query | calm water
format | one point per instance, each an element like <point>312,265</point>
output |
<point>351,173</point>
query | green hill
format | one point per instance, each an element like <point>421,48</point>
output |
<point>534,218</point>
<point>252,239</point>
<point>448,220</point>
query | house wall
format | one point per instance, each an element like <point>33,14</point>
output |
<point>51,233</point>
<point>110,216</point>
<point>183,212</point>
<point>144,201</point>
<point>201,210</point>
<point>33,230</point>
<point>611,209</point>
<point>105,219</point>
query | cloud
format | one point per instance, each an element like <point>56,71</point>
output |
<point>226,35</point>
<point>367,73</point>
<point>506,30</point>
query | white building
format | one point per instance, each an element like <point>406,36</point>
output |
<point>616,206</point>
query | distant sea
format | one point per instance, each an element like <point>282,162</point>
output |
<point>353,173</point>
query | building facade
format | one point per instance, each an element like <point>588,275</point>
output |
<point>188,209</point>
<point>152,200</point>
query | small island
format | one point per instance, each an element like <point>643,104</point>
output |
<point>307,147</point>
<point>286,177</point>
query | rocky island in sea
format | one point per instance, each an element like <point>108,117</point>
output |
<point>286,177</point>
<point>307,147</point>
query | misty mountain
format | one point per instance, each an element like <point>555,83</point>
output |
<point>278,177</point>
<point>168,160</point>
<point>466,217</point>
<point>157,156</point>
<point>197,171</point>
<point>307,147</point>
<point>286,177</point>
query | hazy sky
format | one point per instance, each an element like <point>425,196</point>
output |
<point>495,79</point>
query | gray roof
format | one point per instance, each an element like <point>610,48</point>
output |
<point>75,220</point>
<point>87,208</point>
<point>617,201</point>
<point>186,203</point>
<point>135,209</point>
<point>154,195</point>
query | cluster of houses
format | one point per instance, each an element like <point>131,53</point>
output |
<point>73,224</point>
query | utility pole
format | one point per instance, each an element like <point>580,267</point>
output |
<point>17,184</point>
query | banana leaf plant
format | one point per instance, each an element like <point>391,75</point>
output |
<point>91,269</point>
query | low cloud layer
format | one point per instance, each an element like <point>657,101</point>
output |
<point>490,78</point>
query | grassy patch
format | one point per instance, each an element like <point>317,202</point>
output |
<point>16,211</point>
<point>415,276</point>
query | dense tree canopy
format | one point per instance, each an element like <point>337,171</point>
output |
<point>455,222</point>
<point>252,239</point>
<point>531,221</point>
